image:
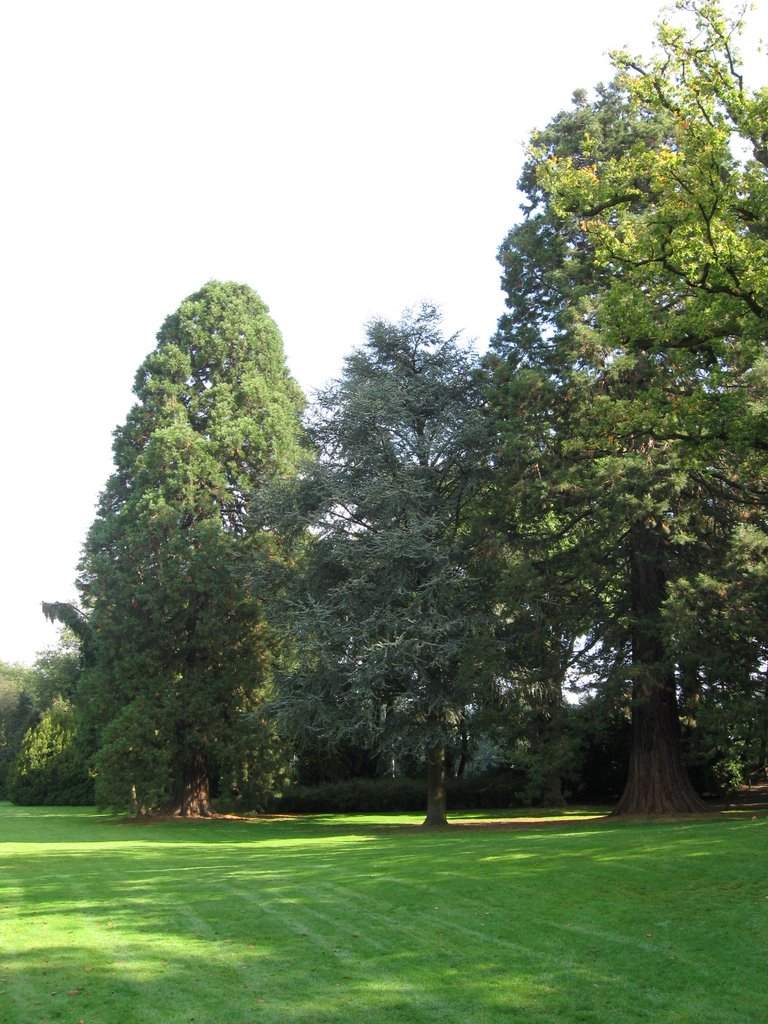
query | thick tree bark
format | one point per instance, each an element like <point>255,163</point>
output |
<point>191,796</point>
<point>436,798</point>
<point>657,782</point>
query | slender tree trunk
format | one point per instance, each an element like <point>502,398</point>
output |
<point>191,797</point>
<point>657,782</point>
<point>552,790</point>
<point>464,748</point>
<point>436,801</point>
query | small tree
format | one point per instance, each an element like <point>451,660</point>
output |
<point>385,612</point>
<point>50,767</point>
<point>19,712</point>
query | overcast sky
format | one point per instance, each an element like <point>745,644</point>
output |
<point>345,158</point>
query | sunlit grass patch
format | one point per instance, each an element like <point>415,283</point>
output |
<point>353,918</point>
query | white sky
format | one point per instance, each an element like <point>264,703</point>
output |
<point>345,158</point>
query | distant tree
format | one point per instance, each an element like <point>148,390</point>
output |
<point>19,711</point>
<point>386,610</point>
<point>57,670</point>
<point>50,768</point>
<point>180,656</point>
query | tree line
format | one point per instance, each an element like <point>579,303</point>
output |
<point>415,571</point>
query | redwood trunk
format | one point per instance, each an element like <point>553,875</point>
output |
<point>657,782</point>
<point>191,797</point>
<point>436,800</point>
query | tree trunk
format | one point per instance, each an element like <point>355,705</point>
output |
<point>464,748</point>
<point>552,791</point>
<point>552,700</point>
<point>436,801</point>
<point>191,796</point>
<point>657,782</point>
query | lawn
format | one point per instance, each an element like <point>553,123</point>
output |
<point>357,919</point>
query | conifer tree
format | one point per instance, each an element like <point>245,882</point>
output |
<point>179,654</point>
<point>629,370</point>
<point>386,611</point>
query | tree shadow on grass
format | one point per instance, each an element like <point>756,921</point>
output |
<point>296,921</point>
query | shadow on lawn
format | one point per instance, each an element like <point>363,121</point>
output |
<point>318,987</point>
<point>86,825</point>
<point>298,921</point>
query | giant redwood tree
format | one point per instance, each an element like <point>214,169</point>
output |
<point>180,655</point>
<point>679,230</point>
<point>629,369</point>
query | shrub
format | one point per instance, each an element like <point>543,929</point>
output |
<point>398,794</point>
<point>729,775</point>
<point>50,768</point>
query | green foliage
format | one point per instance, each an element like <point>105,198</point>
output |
<point>629,384</point>
<point>729,773</point>
<point>18,713</point>
<point>688,212</point>
<point>133,763</point>
<point>25,693</point>
<point>255,765</point>
<point>355,796</point>
<point>385,610</point>
<point>57,671</point>
<point>50,767</point>
<point>181,656</point>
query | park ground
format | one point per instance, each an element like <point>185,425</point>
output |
<point>539,918</point>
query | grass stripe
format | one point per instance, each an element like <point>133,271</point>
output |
<point>336,921</point>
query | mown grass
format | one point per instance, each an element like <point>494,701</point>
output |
<point>341,919</point>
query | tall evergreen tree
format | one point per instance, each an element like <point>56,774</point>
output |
<point>179,653</point>
<point>629,395</point>
<point>679,228</point>
<point>386,611</point>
